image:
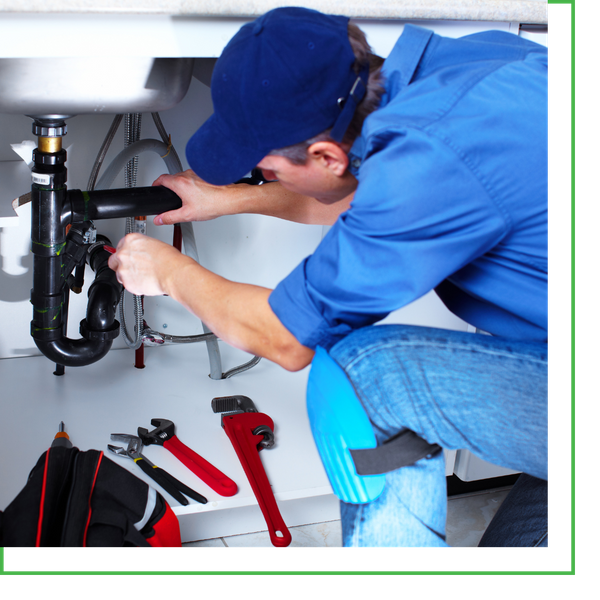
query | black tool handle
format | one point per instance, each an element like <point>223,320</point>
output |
<point>193,494</point>
<point>155,474</point>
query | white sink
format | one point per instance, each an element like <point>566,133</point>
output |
<point>87,85</point>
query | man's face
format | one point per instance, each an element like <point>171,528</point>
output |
<point>309,179</point>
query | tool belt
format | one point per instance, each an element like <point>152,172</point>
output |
<point>343,433</point>
<point>74,498</point>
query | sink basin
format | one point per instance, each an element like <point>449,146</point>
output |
<point>87,85</point>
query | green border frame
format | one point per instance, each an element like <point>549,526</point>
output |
<point>571,571</point>
<point>573,300</point>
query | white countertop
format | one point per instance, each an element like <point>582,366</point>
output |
<point>174,385</point>
<point>521,11</point>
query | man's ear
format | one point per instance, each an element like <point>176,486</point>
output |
<point>330,155</point>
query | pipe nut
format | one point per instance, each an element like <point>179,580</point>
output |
<point>51,129</point>
<point>53,159</point>
<point>99,336</point>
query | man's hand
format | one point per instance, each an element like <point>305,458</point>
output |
<point>201,201</point>
<point>143,264</point>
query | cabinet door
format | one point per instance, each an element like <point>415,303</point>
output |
<point>469,467</point>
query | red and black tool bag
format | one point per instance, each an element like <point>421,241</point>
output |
<point>75,498</point>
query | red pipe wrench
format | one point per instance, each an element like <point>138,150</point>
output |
<point>164,435</point>
<point>250,431</point>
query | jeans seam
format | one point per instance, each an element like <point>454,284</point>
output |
<point>449,346</point>
<point>356,528</point>
<point>369,409</point>
<point>541,540</point>
<point>368,351</point>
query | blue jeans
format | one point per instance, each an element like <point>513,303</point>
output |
<point>459,390</point>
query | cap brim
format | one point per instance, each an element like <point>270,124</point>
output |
<point>218,158</point>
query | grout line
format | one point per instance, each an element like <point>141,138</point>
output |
<point>480,493</point>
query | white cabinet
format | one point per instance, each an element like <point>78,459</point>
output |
<point>469,467</point>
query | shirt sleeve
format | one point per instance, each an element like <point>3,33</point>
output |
<point>420,213</point>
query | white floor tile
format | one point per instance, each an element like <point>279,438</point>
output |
<point>316,535</point>
<point>468,517</point>
<point>327,534</point>
<point>216,543</point>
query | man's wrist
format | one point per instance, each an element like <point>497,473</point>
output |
<point>177,275</point>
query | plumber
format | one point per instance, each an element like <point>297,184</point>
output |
<point>431,167</point>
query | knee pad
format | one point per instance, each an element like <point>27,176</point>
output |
<point>345,439</point>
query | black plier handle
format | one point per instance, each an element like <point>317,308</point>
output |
<point>166,481</point>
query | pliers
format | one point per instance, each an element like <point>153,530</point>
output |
<point>165,480</point>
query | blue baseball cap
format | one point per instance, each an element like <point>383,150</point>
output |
<point>282,79</point>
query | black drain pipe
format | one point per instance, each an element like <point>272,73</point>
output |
<point>56,254</point>
<point>99,328</point>
<point>115,204</point>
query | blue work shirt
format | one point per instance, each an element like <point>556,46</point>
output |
<point>452,196</point>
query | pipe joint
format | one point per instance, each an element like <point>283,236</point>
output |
<point>44,335</point>
<point>99,336</point>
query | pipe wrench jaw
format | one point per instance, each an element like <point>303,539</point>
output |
<point>237,405</point>
<point>233,404</point>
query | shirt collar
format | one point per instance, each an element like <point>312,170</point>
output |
<point>403,59</point>
<point>407,53</point>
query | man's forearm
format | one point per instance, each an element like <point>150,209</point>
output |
<point>237,313</point>
<point>274,200</point>
<point>203,202</point>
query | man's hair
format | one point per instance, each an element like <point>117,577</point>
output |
<point>375,88</point>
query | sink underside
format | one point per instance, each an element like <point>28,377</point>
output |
<point>88,85</point>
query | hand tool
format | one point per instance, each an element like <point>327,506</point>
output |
<point>166,481</point>
<point>250,431</point>
<point>164,435</point>
<point>62,438</point>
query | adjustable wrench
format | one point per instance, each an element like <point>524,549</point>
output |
<point>164,435</point>
<point>250,432</point>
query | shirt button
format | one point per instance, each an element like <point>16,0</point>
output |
<point>356,163</point>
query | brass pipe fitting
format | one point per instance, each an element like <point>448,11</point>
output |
<point>49,145</point>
